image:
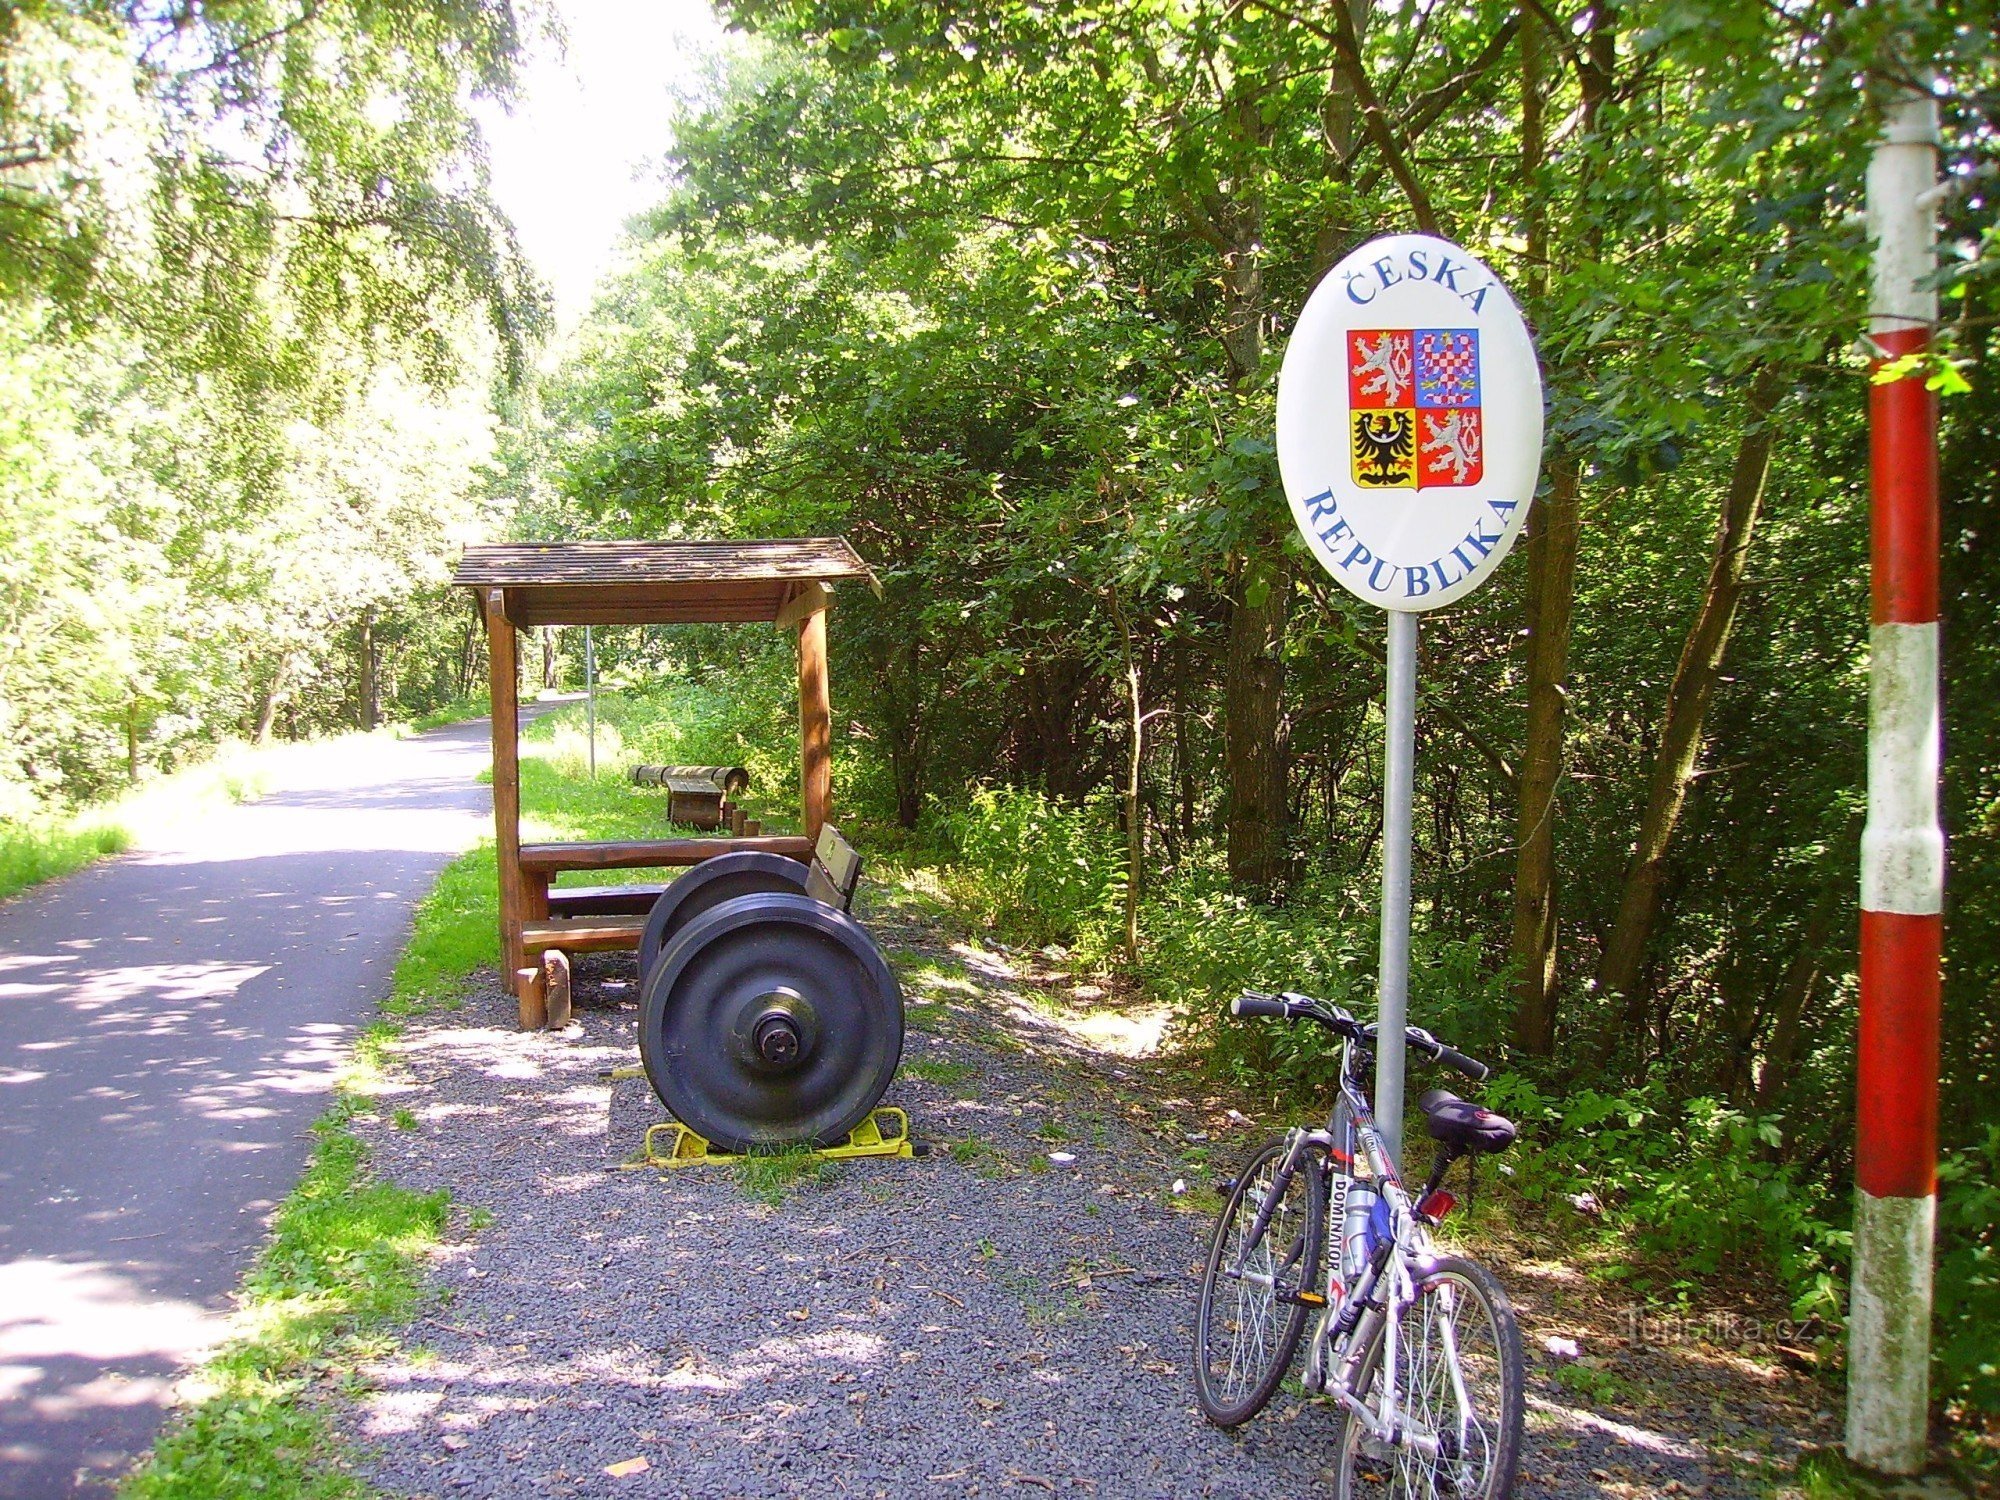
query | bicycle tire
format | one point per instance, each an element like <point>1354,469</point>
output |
<point>1262,1331</point>
<point>1361,1475</point>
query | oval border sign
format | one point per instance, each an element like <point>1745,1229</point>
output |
<point>1410,422</point>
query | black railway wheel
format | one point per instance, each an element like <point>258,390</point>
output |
<point>771,1020</point>
<point>723,877</point>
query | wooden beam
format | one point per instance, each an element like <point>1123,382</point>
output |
<point>583,934</point>
<point>806,599</point>
<point>535,608</point>
<point>647,854</point>
<point>603,900</point>
<point>815,726</point>
<point>504,682</point>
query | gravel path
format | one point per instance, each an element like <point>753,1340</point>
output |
<point>975,1322</point>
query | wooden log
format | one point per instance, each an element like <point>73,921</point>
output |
<point>736,820</point>
<point>555,984</point>
<point>731,779</point>
<point>751,828</point>
<point>531,990</point>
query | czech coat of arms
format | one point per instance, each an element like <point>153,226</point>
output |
<point>1413,408</point>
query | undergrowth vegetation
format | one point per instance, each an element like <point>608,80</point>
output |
<point>56,842</point>
<point>1683,1189</point>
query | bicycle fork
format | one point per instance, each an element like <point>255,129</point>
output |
<point>1352,1328</point>
<point>1302,1141</point>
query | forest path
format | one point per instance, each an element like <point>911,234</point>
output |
<point>171,1022</point>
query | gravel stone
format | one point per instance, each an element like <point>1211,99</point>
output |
<point>977,1321</point>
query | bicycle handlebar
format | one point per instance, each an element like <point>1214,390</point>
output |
<point>1291,1006</point>
<point>1251,1003</point>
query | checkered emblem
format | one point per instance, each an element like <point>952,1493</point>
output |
<point>1413,408</point>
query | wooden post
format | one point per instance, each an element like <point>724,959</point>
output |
<point>500,646</point>
<point>555,988</point>
<point>531,989</point>
<point>815,725</point>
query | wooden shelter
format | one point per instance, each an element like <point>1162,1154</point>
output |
<point>520,585</point>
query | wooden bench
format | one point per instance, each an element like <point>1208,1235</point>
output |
<point>584,921</point>
<point>603,900</point>
<point>547,860</point>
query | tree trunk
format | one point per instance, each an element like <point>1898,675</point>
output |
<point>1781,1054</point>
<point>472,656</point>
<point>1253,705</point>
<point>132,742</point>
<point>1688,698</point>
<point>371,694</point>
<point>1135,812</point>
<point>1552,547</point>
<point>548,635</point>
<point>1553,539</point>
<point>1184,790</point>
<point>274,693</point>
<point>1253,697</point>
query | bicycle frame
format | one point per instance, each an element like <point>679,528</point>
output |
<point>1350,1140</point>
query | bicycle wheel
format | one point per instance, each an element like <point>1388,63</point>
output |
<point>1247,1327</point>
<point>1459,1381</point>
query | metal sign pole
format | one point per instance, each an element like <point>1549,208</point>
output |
<point>590,687</point>
<point>1399,755</point>
<point>1409,438</point>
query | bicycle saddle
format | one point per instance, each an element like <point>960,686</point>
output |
<point>1463,1125</point>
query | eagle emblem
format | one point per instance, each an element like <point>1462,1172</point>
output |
<point>1413,408</point>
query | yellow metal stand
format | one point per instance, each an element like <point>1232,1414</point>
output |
<point>886,1132</point>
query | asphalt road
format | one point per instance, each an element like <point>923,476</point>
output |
<point>170,1023</point>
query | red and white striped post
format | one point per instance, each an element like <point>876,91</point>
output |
<point>1902,846</point>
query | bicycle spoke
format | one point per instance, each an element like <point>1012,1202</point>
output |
<point>1250,1318</point>
<point>1453,1392</point>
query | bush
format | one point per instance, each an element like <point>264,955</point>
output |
<point>1695,1182</point>
<point>1968,1275</point>
<point>1205,943</point>
<point>1036,870</point>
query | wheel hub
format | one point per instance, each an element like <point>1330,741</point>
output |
<point>778,1040</point>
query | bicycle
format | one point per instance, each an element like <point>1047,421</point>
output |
<point>1420,1353</point>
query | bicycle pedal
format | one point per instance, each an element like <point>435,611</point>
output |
<point>1306,1299</point>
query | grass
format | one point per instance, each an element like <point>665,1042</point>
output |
<point>34,852</point>
<point>157,811</point>
<point>945,1074</point>
<point>456,930</point>
<point>458,711</point>
<point>344,1259</point>
<point>59,844</point>
<point>768,1175</point>
<point>342,1262</point>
